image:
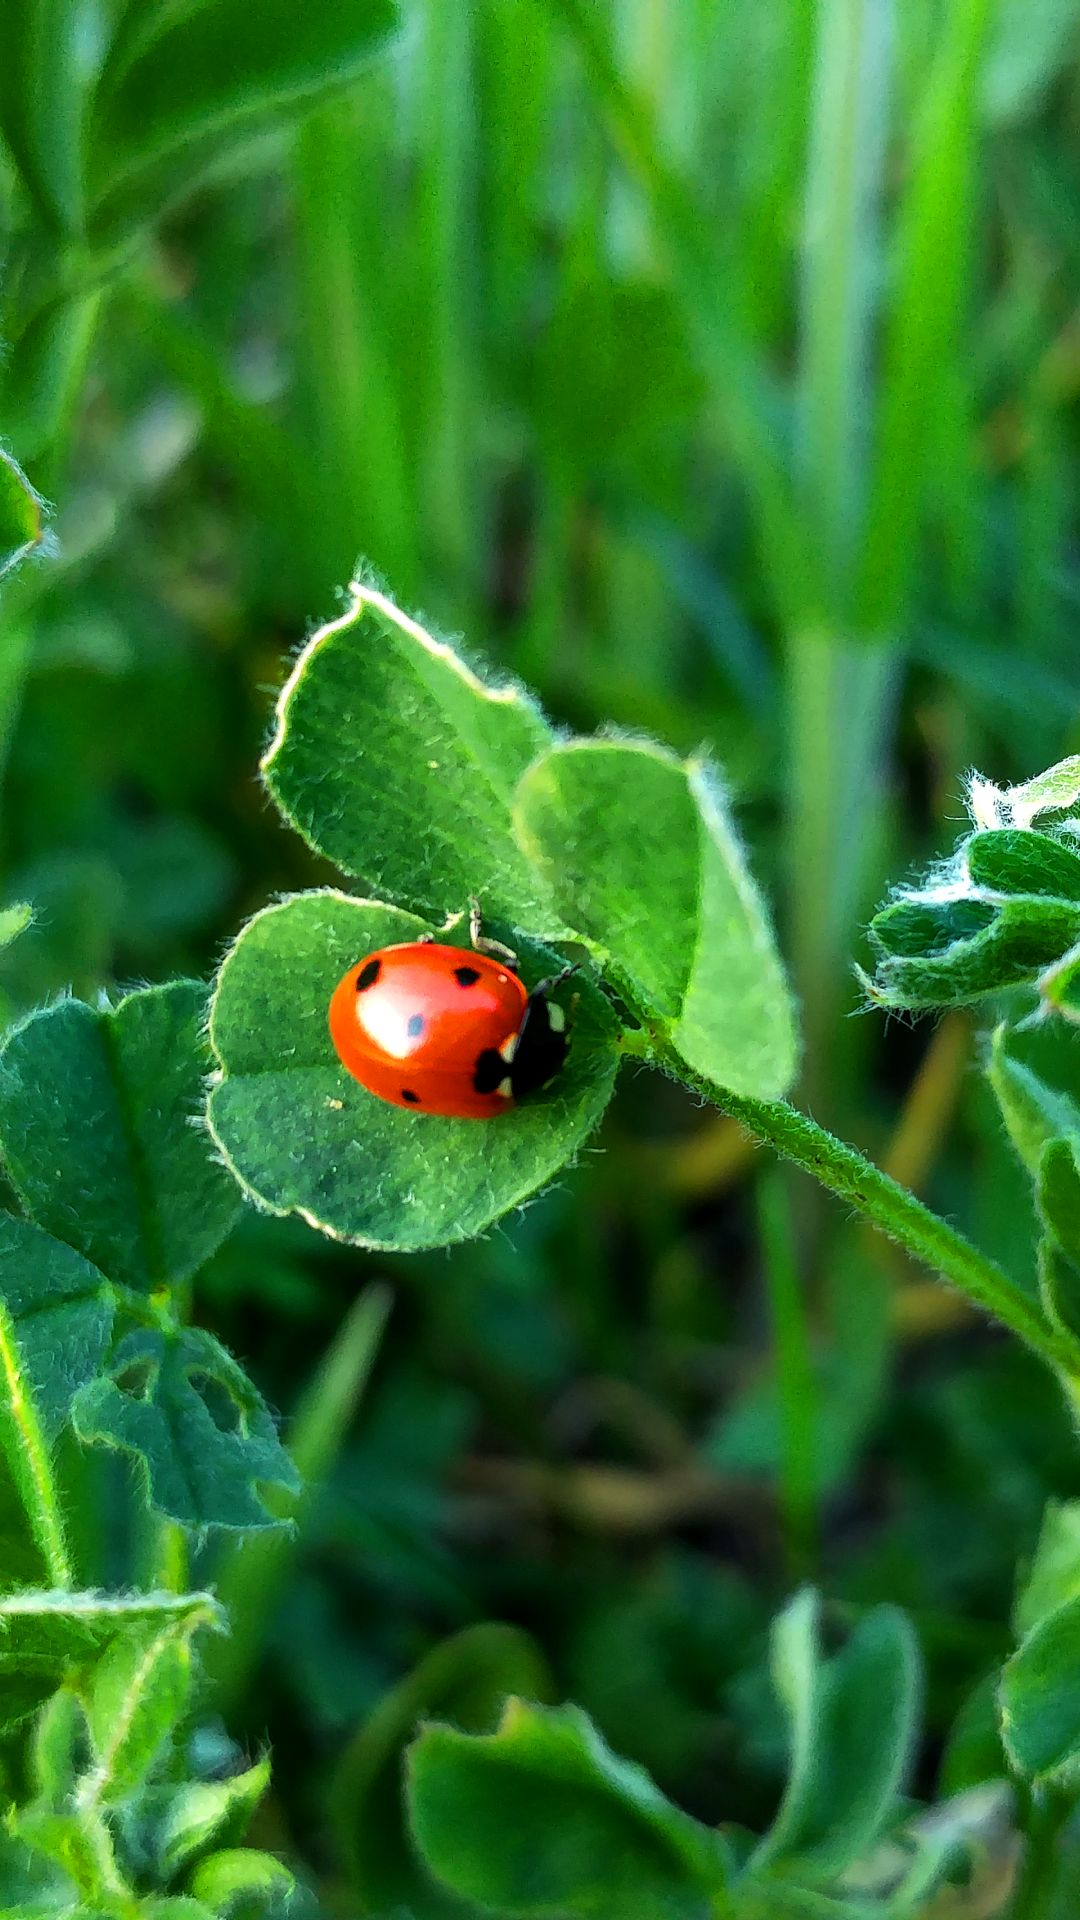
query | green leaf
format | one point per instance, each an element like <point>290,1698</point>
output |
<point>1034,1112</point>
<point>56,1315</point>
<point>40,105</point>
<point>466,1678</point>
<point>22,515</point>
<point>242,1884</point>
<point>1021,938</point>
<point>192,82</point>
<point>136,1698</point>
<point>97,1112</point>
<point>1040,1700</point>
<point>542,1818</point>
<point>13,921</point>
<point>1015,860</point>
<point>853,1723</point>
<point>642,859</point>
<point>303,1137</point>
<point>198,1812</point>
<point>1059,986</point>
<point>397,763</point>
<point>1058,1194</point>
<point>55,1635</point>
<point>1054,1575</point>
<point>188,1414</point>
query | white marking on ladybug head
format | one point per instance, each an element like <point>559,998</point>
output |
<point>505,1088</point>
<point>556,1018</point>
<point>509,1047</point>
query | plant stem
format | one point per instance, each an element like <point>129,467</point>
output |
<point>795,1383</point>
<point>1038,1878</point>
<point>891,1208</point>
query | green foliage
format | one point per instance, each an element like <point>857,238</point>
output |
<point>617,846</point>
<point>853,1720</point>
<point>396,762</point>
<point>97,1130</point>
<point>1003,913</point>
<point>541,1817</point>
<point>179,91</point>
<point>22,517</point>
<point>186,1412</point>
<point>465,1679</point>
<point>713,369</point>
<point>635,879</point>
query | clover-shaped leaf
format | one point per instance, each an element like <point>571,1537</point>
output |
<point>642,859</point>
<point>305,1138</point>
<point>395,760</point>
<point>97,1112</point>
<point>182,1407</point>
<point>399,764</point>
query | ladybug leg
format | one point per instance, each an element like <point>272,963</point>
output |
<point>556,980</point>
<point>482,945</point>
<point>452,921</point>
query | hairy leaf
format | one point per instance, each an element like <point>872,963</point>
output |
<point>201,1811</point>
<point>188,1414</point>
<point>22,515</point>
<point>240,1883</point>
<point>305,1138</point>
<point>642,860</point>
<point>1033,1111</point>
<point>394,760</point>
<point>542,1818</point>
<point>1020,939</point>
<point>49,1636</point>
<point>97,1126</point>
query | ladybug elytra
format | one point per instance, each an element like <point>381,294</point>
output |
<point>446,1030</point>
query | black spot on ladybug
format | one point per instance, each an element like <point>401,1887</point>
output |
<point>466,976</point>
<point>412,1098</point>
<point>490,1069</point>
<point>414,1025</point>
<point>368,975</point>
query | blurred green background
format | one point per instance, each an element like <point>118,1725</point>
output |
<point>713,367</point>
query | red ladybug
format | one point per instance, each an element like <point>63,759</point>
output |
<point>446,1030</point>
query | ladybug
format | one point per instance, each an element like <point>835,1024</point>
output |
<point>447,1030</point>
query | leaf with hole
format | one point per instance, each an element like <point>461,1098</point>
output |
<point>642,859</point>
<point>542,1818</point>
<point>98,1112</point>
<point>303,1137</point>
<point>396,762</point>
<point>183,1409</point>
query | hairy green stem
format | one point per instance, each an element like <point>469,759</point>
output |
<point>890,1207</point>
